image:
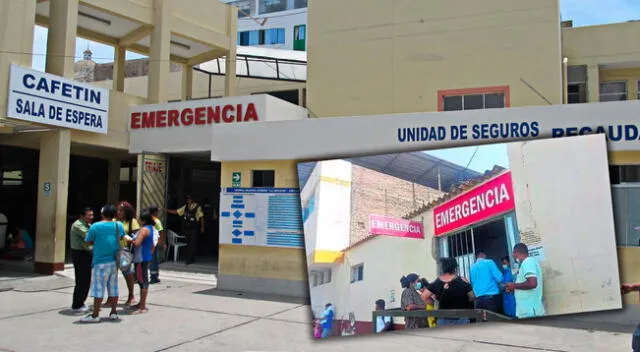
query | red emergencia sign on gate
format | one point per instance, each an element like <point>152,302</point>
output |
<point>388,226</point>
<point>481,203</point>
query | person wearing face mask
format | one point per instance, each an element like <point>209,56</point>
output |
<point>411,300</point>
<point>528,285</point>
<point>508,298</point>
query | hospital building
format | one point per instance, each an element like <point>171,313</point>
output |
<point>156,143</point>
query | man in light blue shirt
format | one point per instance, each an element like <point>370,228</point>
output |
<point>485,280</point>
<point>528,286</point>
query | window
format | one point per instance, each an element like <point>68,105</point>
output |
<point>269,6</point>
<point>577,84</point>
<point>128,174</point>
<point>473,99</point>
<point>299,4</point>
<point>263,178</point>
<point>624,174</point>
<point>320,277</point>
<point>613,91</point>
<point>357,273</point>
<point>11,178</point>
<point>299,37</point>
<point>625,194</point>
<point>244,7</point>
<point>261,37</point>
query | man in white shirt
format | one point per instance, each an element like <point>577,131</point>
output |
<point>383,323</point>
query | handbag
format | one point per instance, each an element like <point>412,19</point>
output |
<point>124,257</point>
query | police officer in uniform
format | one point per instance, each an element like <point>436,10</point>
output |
<point>193,225</point>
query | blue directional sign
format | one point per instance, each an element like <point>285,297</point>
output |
<point>262,216</point>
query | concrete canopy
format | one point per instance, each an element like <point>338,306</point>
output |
<point>129,24</point>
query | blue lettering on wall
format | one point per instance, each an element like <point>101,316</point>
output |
<point>483,131</point>
<point>59,88</point>
<point>614,133</point>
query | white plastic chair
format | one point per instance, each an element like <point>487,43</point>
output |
<point>173,240</point>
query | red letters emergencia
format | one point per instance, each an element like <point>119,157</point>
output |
<point>202,115</point>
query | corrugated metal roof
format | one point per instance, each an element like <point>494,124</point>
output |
<point>417,167</point>
<point>456,190</point>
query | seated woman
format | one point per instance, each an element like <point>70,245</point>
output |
<point>20,245</point>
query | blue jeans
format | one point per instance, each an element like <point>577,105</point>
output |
<point>154,268</point>
<point>452,321</point>
<point>325,333</point>
<point>635,341</point>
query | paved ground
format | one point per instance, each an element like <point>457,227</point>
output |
<point>185,316</point>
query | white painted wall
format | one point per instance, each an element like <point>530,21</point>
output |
<point>285,19</point>
<point>563,194</point>
<point>335,218</point>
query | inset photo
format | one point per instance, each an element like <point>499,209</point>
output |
<point>426,239</point>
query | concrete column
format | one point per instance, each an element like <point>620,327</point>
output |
<point>187,82</point>
<point>119,68</point>
<point>113,183</point>
<point>17,19</point>
<point>593,83</point>
<point>61,37</point>
<point>160,54</point>
<point>230,61</point>
<point>51,220</point>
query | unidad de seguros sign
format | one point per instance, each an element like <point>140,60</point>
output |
<point>483,202</point>
<point>44,98</point>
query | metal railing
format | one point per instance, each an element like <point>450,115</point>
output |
<point>477,314</point>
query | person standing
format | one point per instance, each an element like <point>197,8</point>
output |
<point>126,216</point>
<point>451,291</point>
<point>626,289</point>
<point>410,300</point>
<point>143,248</point>
<point>193,225</point>
<point>485,280</point>
<point>327,320</point>
<point>528,286</point>
<point>508,298</point>
<point>81,257</point>
<point>162,244</point>
<point>104,236</point>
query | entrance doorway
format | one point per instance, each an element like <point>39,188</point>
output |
<point>196,175</point>
<point>496,237</point>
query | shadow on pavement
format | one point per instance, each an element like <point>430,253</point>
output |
<point>255,296</point>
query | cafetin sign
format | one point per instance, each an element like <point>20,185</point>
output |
<point>388,226</point>
<point>48,99</point>
<point>485,201</point>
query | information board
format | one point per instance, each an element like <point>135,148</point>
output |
<point>269,217</point>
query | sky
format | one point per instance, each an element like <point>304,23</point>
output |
<point>486,157</point>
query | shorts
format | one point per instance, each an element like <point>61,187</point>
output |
<point>142,274</point>
<point>104,276</point>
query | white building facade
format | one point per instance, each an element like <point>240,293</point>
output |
<point>278,24</point>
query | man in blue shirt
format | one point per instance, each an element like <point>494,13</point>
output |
<point>327,320</point>
<point>485,280</point>
<point>105,237</point>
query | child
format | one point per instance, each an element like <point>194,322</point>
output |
<point>431,321</point>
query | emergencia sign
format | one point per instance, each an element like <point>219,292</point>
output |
<point>44,98</point>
